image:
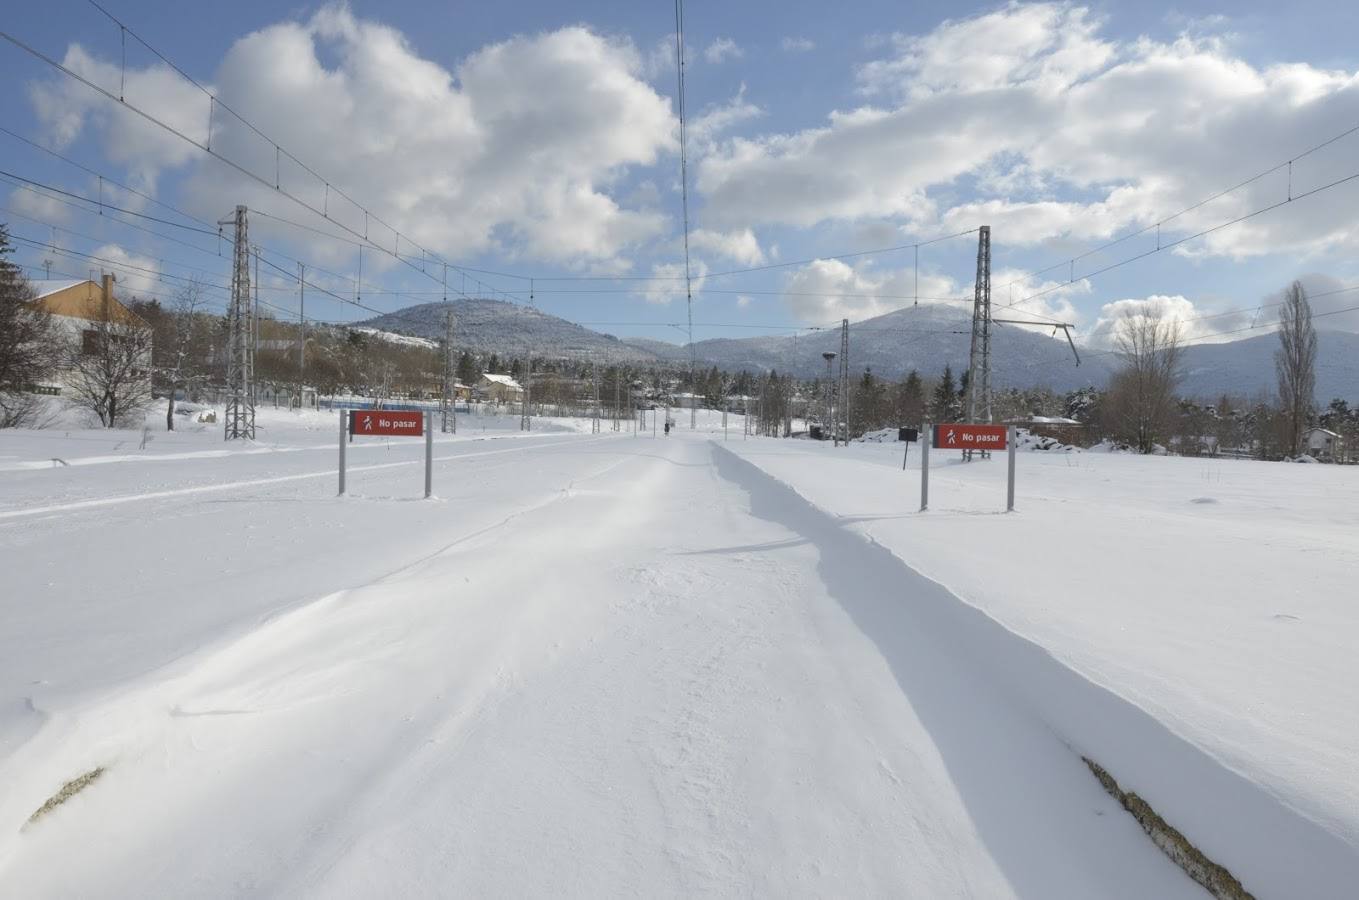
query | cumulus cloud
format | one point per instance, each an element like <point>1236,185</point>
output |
<point>705,129</point>
<point>518,150</point>
<point>827,290</point>
<point>670,285</point>
<point>1073,135</point>
<point>41,206</point>
<point>135,274</point>
<point>66,109</point>
<point>797,44</point>
<point>722,49</point>
<point>739,246</point>
<point>831,289</point>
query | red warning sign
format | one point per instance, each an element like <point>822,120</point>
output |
<point>969,437</point>
<point>385,422</point>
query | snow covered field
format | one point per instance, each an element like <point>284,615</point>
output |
<point>634,665</point>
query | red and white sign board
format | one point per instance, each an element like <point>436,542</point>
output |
<point>386,422</point>
<point>969,437</point>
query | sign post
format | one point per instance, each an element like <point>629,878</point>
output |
<point>383,422</point>
<point>968,437</point>
<point>907,436</point>
<point>344,422</point>
<point>429,454</point>
<point>1010,486</point>
<point>925,469</point>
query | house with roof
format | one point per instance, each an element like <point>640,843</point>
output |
<point>1323,443</point>
<point>81,312</point>
<point>499,389</point>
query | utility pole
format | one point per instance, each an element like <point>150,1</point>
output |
<point>979,357</point>
<point>617,398</point>
<point>302,325</point>
<point>594,421</point>
<point>240,410</point>
<point>255,331</point>
<point>449,409</point>
<point>828,416</point>
<point>843,418</point>
<point>525,422</point>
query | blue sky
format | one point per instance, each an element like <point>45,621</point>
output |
<point>539,140</point>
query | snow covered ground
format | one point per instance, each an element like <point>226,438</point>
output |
<point>634,665</point>
<point>1212,598</point>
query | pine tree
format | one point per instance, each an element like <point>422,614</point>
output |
<point>911,400</point>
<point>945,398</point>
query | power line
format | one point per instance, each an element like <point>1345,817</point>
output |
<point>1157,225</point>
<point>206,147</point>
<point>1162,247</point>
<point>684,199</point>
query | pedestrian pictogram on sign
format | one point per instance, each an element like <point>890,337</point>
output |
<point>386,423</point>
<point>380,422</point>
<point>969,437</point>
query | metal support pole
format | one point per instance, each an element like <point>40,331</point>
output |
<point>429,454</point>
<point>905,453</point>
<point>925,468</point>
<point>1010,487</point>
<point>344,422</point>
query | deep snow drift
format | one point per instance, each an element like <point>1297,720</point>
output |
<point>617,665</point>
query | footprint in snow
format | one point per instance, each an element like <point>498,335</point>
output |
<point>1285,617</point>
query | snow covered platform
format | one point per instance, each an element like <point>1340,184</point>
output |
<point>634,665</point>
<point>1216,597</point>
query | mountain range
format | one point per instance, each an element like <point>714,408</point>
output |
<point>924,338</point>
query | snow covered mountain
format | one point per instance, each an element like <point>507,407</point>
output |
<point>925,338</point>
<point>509,329</point>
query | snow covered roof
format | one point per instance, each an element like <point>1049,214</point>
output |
<point>1325,431</point>
<point>44,288</point>
<point>501,379</point>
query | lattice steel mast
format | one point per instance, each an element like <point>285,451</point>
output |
<point>240,363</point>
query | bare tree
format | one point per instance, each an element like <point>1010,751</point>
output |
<point>183,360</point>
<point>110,369</point>
<point>1296,363</point>
<point>1140,401</point>
<point>27,344</point>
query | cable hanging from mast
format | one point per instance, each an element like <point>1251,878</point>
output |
<point>684,202</point>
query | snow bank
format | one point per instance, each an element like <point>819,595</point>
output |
<point>1177,649</point>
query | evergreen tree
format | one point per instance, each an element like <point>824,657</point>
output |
<point>944,402</point>
<point>911,400</point>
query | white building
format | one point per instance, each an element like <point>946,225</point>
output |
<point>78,309</point>
<point>1322,443</point>
<point>499,389</point>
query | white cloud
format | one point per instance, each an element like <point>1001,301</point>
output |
<point>742,301</point>
<point>740,245</point>
<point>135,274</point>
<point>831,289</point>
<point>41,206</point>
<point>1193,323</point>
<point>65,108</point>
<point>670,285</point>
<point>1066,133</point>
<point>722,49</point>
<point>827,290</point>
<point>518,150</point>
<point>706,128</point>
<point>798,44</point>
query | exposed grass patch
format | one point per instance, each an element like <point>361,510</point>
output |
<point>68,790</point>
<point>1215,879</point>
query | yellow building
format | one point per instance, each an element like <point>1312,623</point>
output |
<point>77,308</point>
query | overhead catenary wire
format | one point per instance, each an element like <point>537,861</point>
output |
<point>1026,275</point>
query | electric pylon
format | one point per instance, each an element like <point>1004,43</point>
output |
<point>979,358</point>
<point>240,409</point>
<point>843,418</point>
